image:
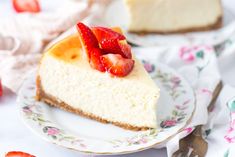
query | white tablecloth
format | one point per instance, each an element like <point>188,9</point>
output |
<point>15,136</point>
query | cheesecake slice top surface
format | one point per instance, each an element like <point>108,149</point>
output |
<point>70,51</point>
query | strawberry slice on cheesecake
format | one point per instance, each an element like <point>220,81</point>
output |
<point>107,50</point>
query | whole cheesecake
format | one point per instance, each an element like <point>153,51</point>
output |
<point>67,80</point>
<point>173,16</point>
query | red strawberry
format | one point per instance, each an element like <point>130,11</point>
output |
<point>0,88</point>
<point>88,38</point>
<point>112,41</point>
<point>117,65</point>
<point>110,46</point>
<point>95,59</point>
<point>116,47</point>
<point>103,33</point>
<point>18,154</point>
<point>100,41</point>
<point>26,6</point>
<point>125,48</point>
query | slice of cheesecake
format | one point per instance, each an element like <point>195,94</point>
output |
<point>173,16</point>
<point>67,80</point>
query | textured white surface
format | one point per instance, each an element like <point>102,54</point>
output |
<point>15,136</point>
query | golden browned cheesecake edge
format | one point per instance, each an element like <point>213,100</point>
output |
<point>50,100</point>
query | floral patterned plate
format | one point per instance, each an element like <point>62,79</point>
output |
<point>117,15</point>
<point>175,109</point>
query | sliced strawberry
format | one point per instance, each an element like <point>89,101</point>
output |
<point>111,46</point>
<point>26,6</point>
<point>103,33</point>
<point>18,154</point>
<point>95,59</point>
<point>107,49</point>
<point>125,48</point>
<point>116,47</point>
<point>0,88</point>
<point>111,41</point>
<point>88,38</point>
<point>117,65</point>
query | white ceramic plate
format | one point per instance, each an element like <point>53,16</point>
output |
<point>117,15</point>
<point>175,109</point>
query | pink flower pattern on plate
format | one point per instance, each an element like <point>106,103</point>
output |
<point>169,123</point>
<point>178,114</point>
<point>148,66</point>
<point>33,112</point>
<point>52,131</point>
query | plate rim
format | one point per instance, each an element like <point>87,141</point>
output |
<point>142,148</point>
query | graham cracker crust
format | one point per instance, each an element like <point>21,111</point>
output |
<point>216,25</point>
<point>50,100</point>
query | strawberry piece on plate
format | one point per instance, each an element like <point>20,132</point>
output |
<point>95,59</point>
<point>18,154</point>
<point>117,65</point>
<point>32,6</point>
<point>103,33</point>
<point>0,88</point>
<point>88,38</point>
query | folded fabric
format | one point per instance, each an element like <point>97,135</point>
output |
<point>198,64</point>
<point>220,129</point>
